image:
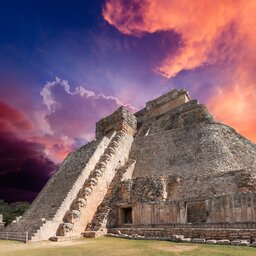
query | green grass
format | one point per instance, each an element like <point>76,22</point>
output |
<point>118,247</point>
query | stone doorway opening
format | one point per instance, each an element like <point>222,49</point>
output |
<point>125,215</point>
<point>196,212</point>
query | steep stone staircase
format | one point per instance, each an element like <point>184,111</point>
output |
<point>100,219</point>
<point>68,202</point>
<point>94,189</point>
<point>46,212</point>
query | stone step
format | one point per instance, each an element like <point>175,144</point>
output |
<point>24,226</point>
<point>11,232</point>
<point>19,237</point>
<point>15,235</point>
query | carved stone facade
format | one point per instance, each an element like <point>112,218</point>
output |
<point>167,169</point>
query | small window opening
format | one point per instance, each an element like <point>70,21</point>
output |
<point>126,215</point>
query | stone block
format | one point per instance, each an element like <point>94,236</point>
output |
<point>253,244</point>
<point>89,234</point>
<point>186,240</point>
<point>211,241</point>
<point>177,238</point>
<point>1,226</point>
<point>244,243</point>
<point>53,239</point>
<point>223,242</point>
<point>235,242</point>
<point>198,240</point>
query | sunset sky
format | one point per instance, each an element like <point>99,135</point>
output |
<point>66,64</point>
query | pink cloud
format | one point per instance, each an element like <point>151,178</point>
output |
<point>71,115</point>
<point>12,119</point>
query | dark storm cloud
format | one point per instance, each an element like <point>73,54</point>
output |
<point>23,165</point>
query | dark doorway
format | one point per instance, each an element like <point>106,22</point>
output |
<point>196,212</point>
<point>127,215</point>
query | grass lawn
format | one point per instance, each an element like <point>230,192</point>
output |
<point>107,246</point>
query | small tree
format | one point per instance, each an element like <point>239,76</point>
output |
<point>13,210</point>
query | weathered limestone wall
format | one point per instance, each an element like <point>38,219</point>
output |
<point>186,115</point>
<point>157,213</point>
<point>205,232</point>
<point>235,208</point>
<point>208,158</point>
<point>238,207</point>
<point>152,203</point>
<point>211,159</point>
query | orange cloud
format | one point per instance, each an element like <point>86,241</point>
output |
<point>212,32</point>
<point>236,107</point>
<point>198,22</point>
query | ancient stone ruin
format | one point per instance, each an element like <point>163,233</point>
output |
<point>169,169</point>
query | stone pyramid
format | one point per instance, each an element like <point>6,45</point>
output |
<point>168,169</point>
